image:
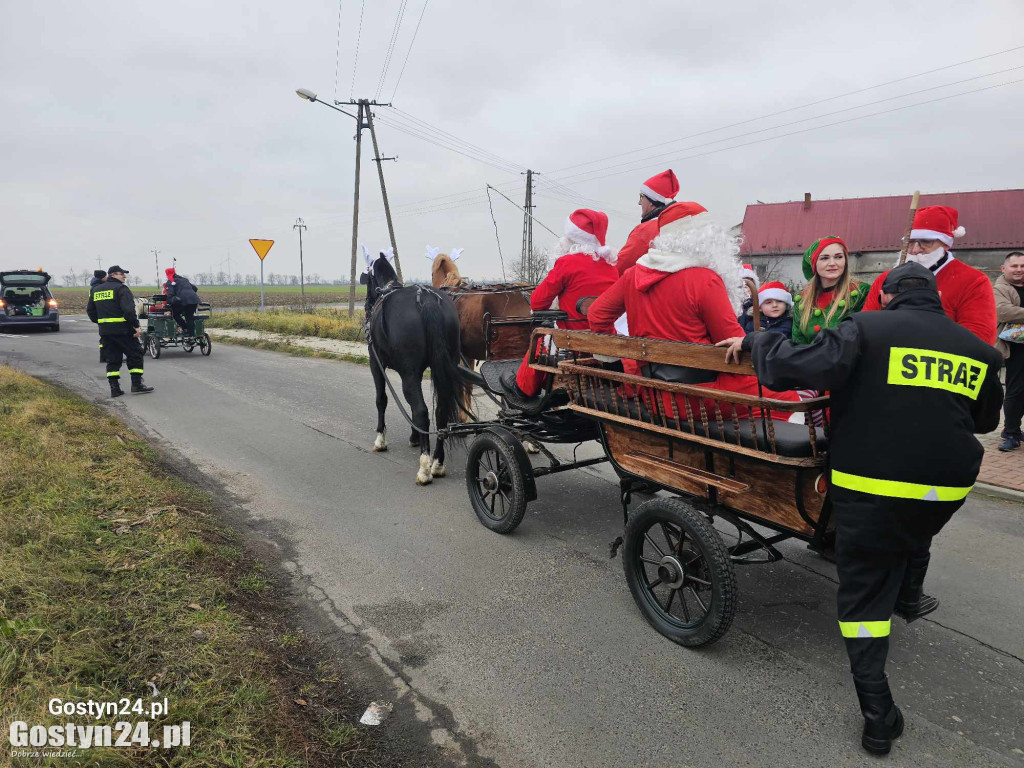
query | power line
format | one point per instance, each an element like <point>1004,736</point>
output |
<point>651,158</point>
<point>793,109</point>
<point>424,125</point>
<point>355,61</point>
<point>445,145</point>
<point>413,42</point>
<point>391,48</point>
<point>337,52</point>
<point>498,239</point>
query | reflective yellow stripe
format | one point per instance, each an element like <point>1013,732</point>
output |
<point>111,320</point>
<point>135,370</point>
<point>113,374</point>
<point>865,628</point>
<point>102,295</point>
<point>897,489</point>
<point>937,370</point>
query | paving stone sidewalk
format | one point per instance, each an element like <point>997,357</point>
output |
<point>1005,470</point>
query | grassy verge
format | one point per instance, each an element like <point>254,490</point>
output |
<point>115,575</point>
<point>321,323</point>
<point>73,300</point>
<point>294,349</point>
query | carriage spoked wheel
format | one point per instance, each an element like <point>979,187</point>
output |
<point>496,485</point>
<point>153,345</point>
<point>188,344</point>
<point>205,345</point>
<point>679,572</point>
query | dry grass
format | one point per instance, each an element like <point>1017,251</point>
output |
<point>321,323</point>
<point>109,567</point>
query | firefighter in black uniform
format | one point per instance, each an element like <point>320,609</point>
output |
<point>909,390</point>
<point>112,306</point>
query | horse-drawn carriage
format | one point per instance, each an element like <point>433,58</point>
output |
<point>161,330</point>
<point>720,454</point>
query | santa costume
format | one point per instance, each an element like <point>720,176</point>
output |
<point>686,288</point>
<point>584,268</point>
<point>966,292</point>
<point>662,190</point>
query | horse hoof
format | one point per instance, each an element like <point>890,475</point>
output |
<point>530,447</point>
<point>423,477</point>
<point>437,469</point>
<point>381,443</point>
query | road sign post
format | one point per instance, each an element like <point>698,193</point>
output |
<point>262,248</point>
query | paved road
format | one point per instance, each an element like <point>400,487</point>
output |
<point>528,646</point>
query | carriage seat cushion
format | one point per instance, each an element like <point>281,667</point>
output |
<point>791,440</point>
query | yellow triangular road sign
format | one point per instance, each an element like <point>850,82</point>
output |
<point>262,247</point>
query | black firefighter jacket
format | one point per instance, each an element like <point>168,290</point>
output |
<point>909,390</point>
<point>112,305</point>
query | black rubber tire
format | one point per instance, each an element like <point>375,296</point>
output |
<point>55,327</point>
<point>502,508</point>
<point>205,345</point>
<point>153,345</point>
<point>188,346</point>
<point>707,572</point>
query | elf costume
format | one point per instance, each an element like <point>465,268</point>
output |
<point>805,333</point>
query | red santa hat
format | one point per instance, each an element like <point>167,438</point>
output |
<point>746,271</point>
<point>169,272</point>
<point>937,222</point>
<point>661,188</point>
<point>774,290</point>
<point>589,228</point>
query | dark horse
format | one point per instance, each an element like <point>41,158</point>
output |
<point>410,329</point>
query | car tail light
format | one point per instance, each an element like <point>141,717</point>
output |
<point>52,303</point>
<point>2,305</point>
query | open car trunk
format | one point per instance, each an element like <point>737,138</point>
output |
<point>25,296</point>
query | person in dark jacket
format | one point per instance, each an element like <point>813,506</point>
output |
<point>183,298</point>
<point>112,306</point>
<point>98,276</point>
<point>910,389</point>
<point>775,303</point>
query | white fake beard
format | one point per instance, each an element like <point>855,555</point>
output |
<point>928,260</point>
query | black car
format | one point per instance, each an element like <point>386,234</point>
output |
<point>25,300</point>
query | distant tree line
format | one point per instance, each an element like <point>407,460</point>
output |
<point>73,279</point>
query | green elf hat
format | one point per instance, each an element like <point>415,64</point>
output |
<point>811,254</point>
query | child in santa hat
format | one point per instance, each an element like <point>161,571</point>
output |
<point>775,303</point>
<point>831,293</point>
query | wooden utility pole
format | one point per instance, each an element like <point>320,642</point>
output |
<point>299,225</point>
<point>383,189</point>
<point>355,214</point>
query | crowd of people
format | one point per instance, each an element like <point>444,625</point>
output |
<point>911,363</point>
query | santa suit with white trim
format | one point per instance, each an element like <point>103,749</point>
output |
<point>966,292</point>
<point>584,269</point>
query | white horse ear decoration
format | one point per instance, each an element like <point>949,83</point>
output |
<point>369,257</point>
<point>456,252</point>
<point>389,254</point>
<point>432,252</point>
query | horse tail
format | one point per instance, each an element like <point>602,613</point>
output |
<point>442,357</point>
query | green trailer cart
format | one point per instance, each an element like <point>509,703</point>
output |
<point>160,330</point>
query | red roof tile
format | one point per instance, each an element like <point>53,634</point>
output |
<point>993,219</point>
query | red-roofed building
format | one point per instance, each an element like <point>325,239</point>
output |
<point>775,235</point>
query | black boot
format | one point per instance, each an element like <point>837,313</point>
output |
<point>913,603</point>
<point>138,386</point>
<point>883,720</point>
<point>115,386</point>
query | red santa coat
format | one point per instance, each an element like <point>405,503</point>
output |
<point>686,300</point>
<point>574,276</point>
<point>966,294</point>
<point>639,240</point>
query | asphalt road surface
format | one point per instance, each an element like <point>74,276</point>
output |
<point>527,650</point>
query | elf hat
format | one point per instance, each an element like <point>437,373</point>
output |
<point>661,188</point>
<point>937,222</point>
<point>774,290</point>
<point>811,254</point>
<point>589,229</point>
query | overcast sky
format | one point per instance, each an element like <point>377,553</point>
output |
<point>127,127</point>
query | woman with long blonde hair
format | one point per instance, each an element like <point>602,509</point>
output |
<point>831,293</point>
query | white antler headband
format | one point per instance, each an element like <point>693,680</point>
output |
<point>432,252</point>
<point>456,252</point>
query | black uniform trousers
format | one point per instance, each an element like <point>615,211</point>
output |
<point>116,348</point>
<point>1013,399</point>
<point>185,317</point>
<point>879,541</point>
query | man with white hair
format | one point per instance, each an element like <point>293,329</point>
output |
<point>584,267</point>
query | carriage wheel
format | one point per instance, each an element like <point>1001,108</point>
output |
<point>679,572</point>
<point>205,345</point>
<point>153,345</point>
<point>497,488</point>
<point>189,345</point>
